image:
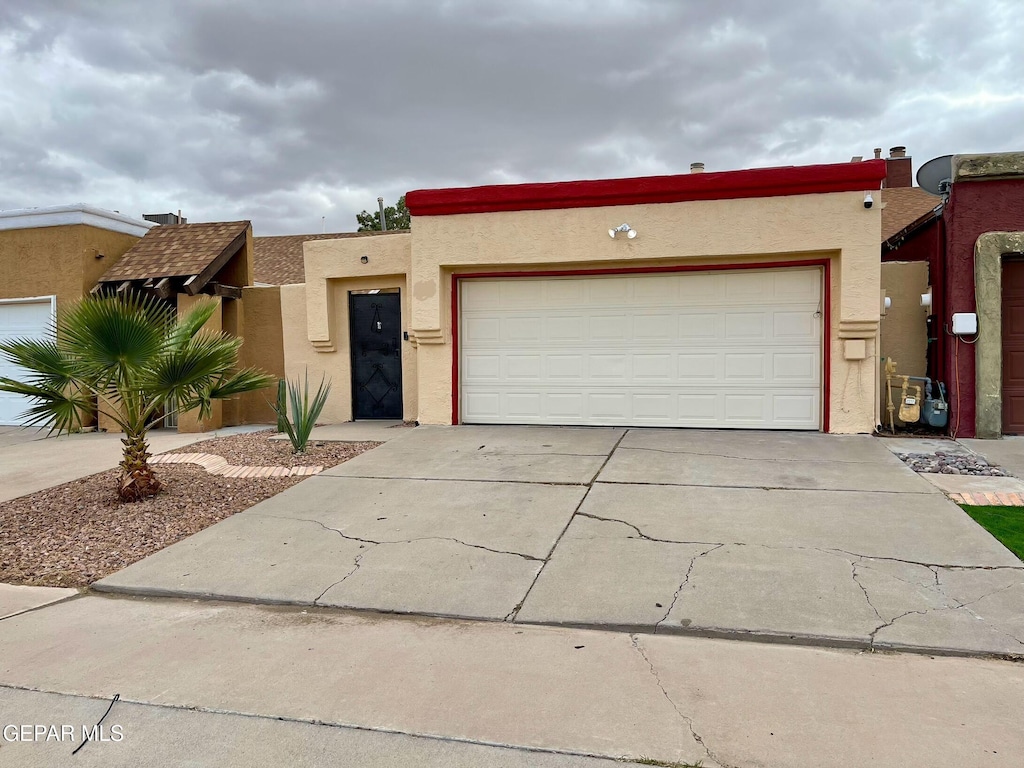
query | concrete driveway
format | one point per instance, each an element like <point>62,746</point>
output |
<point>796,537</point>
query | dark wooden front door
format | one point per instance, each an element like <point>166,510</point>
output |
<point>1013,346</point>
<point>375,337</point>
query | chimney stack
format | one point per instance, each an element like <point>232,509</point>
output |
<point>898,168</point>
<point>696,167</point>
<point>878,153</point>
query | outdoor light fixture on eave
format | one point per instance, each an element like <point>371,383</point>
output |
<point>630,232</point>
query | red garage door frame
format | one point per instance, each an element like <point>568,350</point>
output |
<point>825,264</point>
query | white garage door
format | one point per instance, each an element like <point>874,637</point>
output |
<point>710,349</point>
<point>20,318</point>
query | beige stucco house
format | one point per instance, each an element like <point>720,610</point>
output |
<point>746,299</point>
<point>48,257</point>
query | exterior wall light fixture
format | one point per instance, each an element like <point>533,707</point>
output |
<point>630,232</point>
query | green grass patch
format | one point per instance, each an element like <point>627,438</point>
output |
<point>1005,523</point>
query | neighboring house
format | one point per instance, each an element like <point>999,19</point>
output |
<point>277,260</point>
<point>972,244</point>
<point>905,327</point>
<point>186,263</point>
<point>742,299</point>
<point>48,257</point>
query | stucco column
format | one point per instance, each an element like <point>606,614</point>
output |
<point>988,291</point>
<point>428,318</point>
<point>189,421</point>
<point>857,335</point>
<point>319,311</point>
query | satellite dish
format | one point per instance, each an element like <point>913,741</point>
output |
<point>936,175</point>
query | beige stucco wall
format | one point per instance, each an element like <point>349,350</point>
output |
<point>904,334</point>
<point>58,261</point>
<point>61,261</point>
<point>315,315</point>
<point>189,421</point>
<point>835,227</point>
<point>263,348</point>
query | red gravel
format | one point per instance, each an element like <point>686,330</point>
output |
<point>74,534</point>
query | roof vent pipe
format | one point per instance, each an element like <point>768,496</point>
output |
<point>696,167</point>
<point>383,221</point>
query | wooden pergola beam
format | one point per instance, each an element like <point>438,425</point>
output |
<point>227,291</point>
<point>163,288</point>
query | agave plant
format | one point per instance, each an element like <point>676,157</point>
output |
<point>304,411</point>
<point>132,354</point>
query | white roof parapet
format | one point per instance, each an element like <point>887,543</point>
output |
<point>77,213</point>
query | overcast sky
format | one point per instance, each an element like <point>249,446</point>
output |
<point>284,112</point>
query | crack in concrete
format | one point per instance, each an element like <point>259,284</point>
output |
<point>644,536</point>
<point>960,605</point>
<point>500,454</point>
<point>771,460</point>
<point>824,550</point>
<point>855,561</point>
<point>635,642</point>
<point>409,541</point>
<point>357,563</point>
<point>955,606</point>
<point>863,589</point>
<point>936,587</point>
<point>511,615</point>
<point>948,566</point>
<point>887,624</point>
<point>929,490</point>
<point>436,479</point>
<point>686,580</point>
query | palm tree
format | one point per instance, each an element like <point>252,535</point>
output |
<point>132,354</point>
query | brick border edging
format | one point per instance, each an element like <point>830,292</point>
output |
<point>988,499</point>
<point>218,465</point>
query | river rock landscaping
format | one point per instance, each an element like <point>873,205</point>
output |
<point>951,463</point>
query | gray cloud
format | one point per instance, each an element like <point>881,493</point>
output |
<point>286,113</point>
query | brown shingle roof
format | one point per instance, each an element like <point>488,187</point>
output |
<point>905,206</point>
<point>176,250</point>
<point>277,260</point>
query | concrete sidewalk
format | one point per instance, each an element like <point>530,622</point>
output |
<point>581,691</point>
<point>154,734</point>
<point>30,461</point>
<point>15,598</point>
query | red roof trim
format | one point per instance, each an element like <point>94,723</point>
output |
<point>724,185</point>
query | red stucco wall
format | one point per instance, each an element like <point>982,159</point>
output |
<point>974,207</point>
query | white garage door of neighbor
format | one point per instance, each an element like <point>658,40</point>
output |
<point>736,349</point>
<point>20,319</point>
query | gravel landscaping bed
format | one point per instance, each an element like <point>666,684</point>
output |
<point>74,534</point>
<point>951,464</point>
<point>256,449</point>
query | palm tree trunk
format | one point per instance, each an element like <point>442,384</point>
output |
<point>137,478</point>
